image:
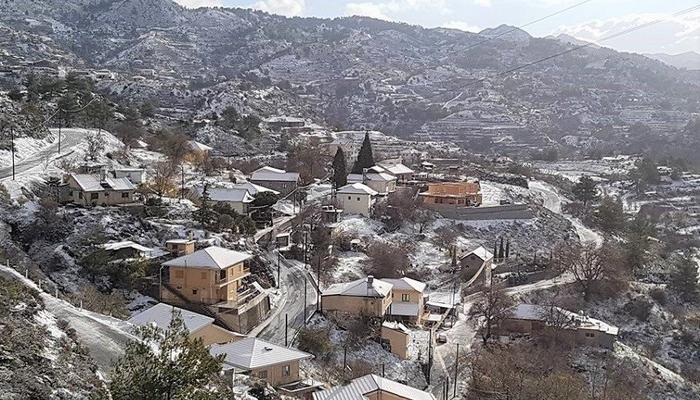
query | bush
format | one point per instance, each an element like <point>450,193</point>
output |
<point>638,308</point>
<point>659,295</point>
<point>315,341</point>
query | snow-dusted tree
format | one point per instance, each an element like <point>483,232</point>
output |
<point>95,146</point>
<point>585,190</point>
<point>587,263</point>
<point>365,158</point>
<point>162,179</point>
<point>167,364</point>
<point>492,308</point>
<point>684,279</point>
<point>340,169</point>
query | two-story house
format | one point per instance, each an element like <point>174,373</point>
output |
<point>356,198</point>
<point>407,301</point>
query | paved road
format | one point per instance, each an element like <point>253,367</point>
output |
<point>292,277</point>
<point>70,137</point>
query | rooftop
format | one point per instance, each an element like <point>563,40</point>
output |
<point>251,353</point>
<point>480,252</point>
<point>534,312</point>
<point>358,388</point>
<point>357,188</point>
<point>213,257</point>
<point>93,183</point>
<point>274,174</point>
<point>228,195</point>
<point>406,284</point>
<point>161,316</point>
<point>361,288</point>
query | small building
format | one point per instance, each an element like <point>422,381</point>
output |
<point>356,198</point>
<point>400,171</point>
<point>238,199</point>
<point>200,326</point>
<point>398,337</point>
<point>407,300</point>
<point>381,182</point>
<point>284,123</point>
<point>94,190</point>
<point>462,194</point>
<point>274,364</point>
<point>576,329</point>
<point>180,247</point>
<point>137,176</point>
<point>276,179</point>
<point>366,296</point>
<point>373,387</point>
<point>254,189</point>
<point>128,250</point>
<point>477,263</point>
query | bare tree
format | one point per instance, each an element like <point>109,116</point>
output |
<point>445,237</point>
<point>587,263</point>
<point>162,180</point>
<point>490,310</point>
<point>389,260</point>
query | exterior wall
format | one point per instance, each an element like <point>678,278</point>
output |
<point>414,297</point>
<point>200,285</point>
<point>397,340</point>
<point>472,265</point>
<point>243,320</point>
<point>76,195</point>
<point>511,211</point>
<point>381,186</point>
<point>180,249</point>
<point>284,187</point>
<point>356,305</point>
<point>212,334</point>
<point>277,375</point>
<point>355,203</point>
<point>136,177</point>
<point>581,337</point>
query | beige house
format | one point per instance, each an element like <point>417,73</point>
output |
<point>276,179</point>
<point>476,264</point>
<point>274,364</point>
<point>576,329</point>
<point>407,299</point>
<point>398,337</point>
<point>462,194</point>
<point>180,247</point>
<point>199,326</point>
<point>366,296</point>
<point>356,198</point>
<point>381,182</point>
<point>397,169</point>
<point>373,387</point>
<point>96,190</point>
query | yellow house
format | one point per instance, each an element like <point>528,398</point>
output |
<point>453,193</point>
<point>209,276</point>
<point>373,387</point>
<point>407,299</point>
<point>274,364</point>
<point>180,247</point>
<point>366,296</point>
<point>199,326</point>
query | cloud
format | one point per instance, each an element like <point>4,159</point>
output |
<point>390,9</point>
<point>462,26</point>
<point>200,3</point>
<point>289,8</point>
<point>483,3</point>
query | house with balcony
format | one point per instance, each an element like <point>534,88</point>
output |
<point>407,300</point>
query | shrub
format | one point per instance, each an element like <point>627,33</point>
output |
<point>659,295</point>
<point>315,341</point>
<point>638,308</point>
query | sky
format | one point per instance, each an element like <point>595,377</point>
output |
<point>593,21</point>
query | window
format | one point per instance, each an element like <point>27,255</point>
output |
<point>358,199</point>
<point>405,297</point>
<point>286,370</point>
<point>194,291</point>
<point>262,374</point>
<point>125,195</point>
<point>590,334</point>
<point>222,274</point>
<point>349,197</point>
<point>106,194</point>
<point>94,196</point>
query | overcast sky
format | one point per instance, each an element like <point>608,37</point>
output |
<point>592,21</point>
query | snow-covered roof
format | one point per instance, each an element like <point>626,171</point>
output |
<point>251,353</point>
<point>283,119</point>
<point>404,309</point>
<point>93,183</point>
<point>196,146</point>
<point>396,169</point>
<point>254,189</point>
<point>406,284</point>
<point>371,176</point>
<point>213,257</point>
<point>397,326</point>
<point>228,195</point>
<point>360,288</point>
<point>358,388</point>
<point>125,244</point>
<point>274,174</point>
<point>480,252</point>
<point>129,169</point>
<point>162,314</point>
<point>357,188</point>
<point>534,312</point>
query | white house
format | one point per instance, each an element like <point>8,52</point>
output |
<point>356,198</point>
<point>136,176</point>
<point>239,199</point>
<point>381,182</point>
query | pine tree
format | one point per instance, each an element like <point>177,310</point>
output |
<point>684,279</point>
<point>205,215</point>
<point>340,170</point>
<point>166,364</point>
<point>585,190</point>
<point>508,249</point>
<point>501,250</point>
<point>365,159</point>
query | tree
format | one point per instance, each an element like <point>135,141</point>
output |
<point>490,310</point>
<point>609,215</point>
<point>99,112</point>
<point>306,159</point>
<point>638,241</point>
<point>167,364</point>
<point>95,146</point>
<point>162,179</point>
<point>365,159</point>
<point>205,215</point>
<point>645,173</point>
<point>684,279</point>
<point>388,260</point>
<point>585,190</point>
<point>340,170</point>
<point>587,263</point>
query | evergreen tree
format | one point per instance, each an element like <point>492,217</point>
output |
<point>365,159</point>
<point>684,279</point>
<point>609,215</point>
<point>501,250</point>
<point>585,190</point>
<point>340,170</point>
<point>205,215</point>
<point>167,364</point>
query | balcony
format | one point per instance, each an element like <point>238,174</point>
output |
<point>229,280</point>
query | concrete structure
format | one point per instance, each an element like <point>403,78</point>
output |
<point>476,264</point>
<point>276,179</point>
<point>576,329</point>
<point>397,169</point>
<point>137,176</point>
<point>373,387</point>
<point>366,296</point>
<point>356,198</point>
<point>459,194</point>
<point>96,190</point>
<point>407,300</point>
<point>180,247</point>
<point>398,337</point>
<point>274,364</point>
<point>199,326</point>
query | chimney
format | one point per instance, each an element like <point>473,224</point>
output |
<point>370,280</point>
<point>103,175</point>
<point>364,176</point>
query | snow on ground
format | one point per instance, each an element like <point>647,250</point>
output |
<point>26,147</point>
<point>491,194</point>
<point>364,228</point>
<point>318,191</point>
<point>573,170</point>
<point>350,266</point>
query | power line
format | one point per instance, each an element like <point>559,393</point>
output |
<point>511,30</point>
<point>579,47</point>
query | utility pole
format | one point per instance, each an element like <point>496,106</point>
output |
<point>305,283</point>
<point>182,182</point>
<point>60,122</point>
<point>430,355</point>
<point>286,329</point>
<point>279,257</point>
<point>12,136</point>
<point>318,283</point>
<point>456,369</point>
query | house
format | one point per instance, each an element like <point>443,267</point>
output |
<point>277,365</point>
<point>373,387</point>
<point>127,250</point>
<point>254,189</point>
<point>477,263</point>
<point>137,176</point>
<point>397,336</point>
<point>94,190</point>
<point>239,199</point>
<point>407,299</point>
<point>462,194</point>
<point>576,329</point>
<point>200,326</point>
<point>180,247</point>
<point>400,171</point>
<point>366,296</point>
<point>356,198</point>
<point>381,182</point>
<point>276,179</point>
<point>197,147</point>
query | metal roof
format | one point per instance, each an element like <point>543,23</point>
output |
<point>228,195</point>
<point>480,252</point>
<point>213,257</point>
<point>274,174</point>
<point>406,284</point>
<point>534,312</point>
<point>357,188</point>
<point>162,314</point>
<point>93,183</point>
<point>360,288</point>
<point>358,388</point>
<point>251,353</point>
<point>403,309</point>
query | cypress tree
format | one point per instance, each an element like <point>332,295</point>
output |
<point>365,159</point>
<point>508,249</point>
<point>501,251</point>
<point>340,170</point>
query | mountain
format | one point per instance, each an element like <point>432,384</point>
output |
<point>568,39</point>
<point>689,60</point>
<point>507,32</point>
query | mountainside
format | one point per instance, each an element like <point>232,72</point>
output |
<point>357,73</point>
<point>688,60</point>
